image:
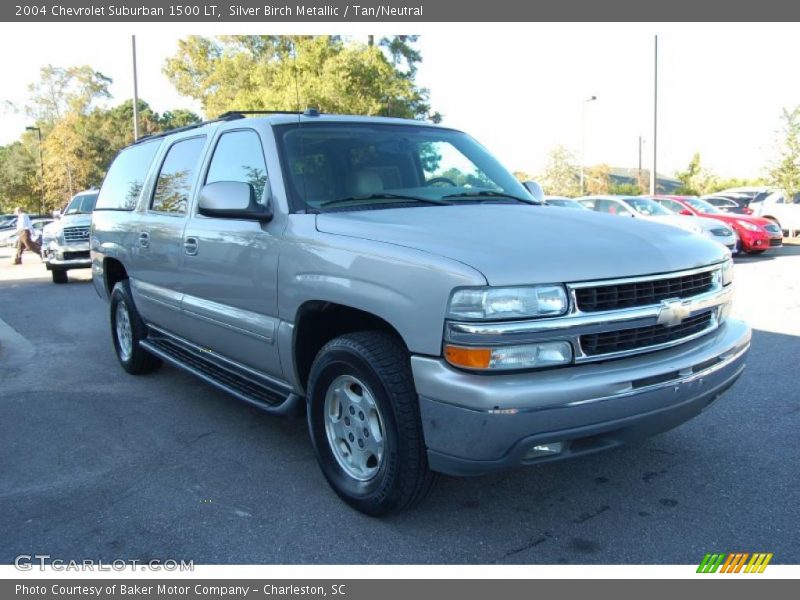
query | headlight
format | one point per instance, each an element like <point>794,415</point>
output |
<point>505,358</point>
<point>508,303</point>
<point>747,225</point>
<point>727,272</point>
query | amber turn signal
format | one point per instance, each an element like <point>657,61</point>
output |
<point>469,358</point>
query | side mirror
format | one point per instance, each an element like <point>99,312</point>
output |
<point>232,200</point>
<point>686,212</point>
<point>535,190</point>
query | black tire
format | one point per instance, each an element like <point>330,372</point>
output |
<point>136,361</point>
<point>59,276</point>
<point>379,360</point>
<point>755,252</point>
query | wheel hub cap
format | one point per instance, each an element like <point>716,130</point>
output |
<point>124,335</point>
<point>354,427</point>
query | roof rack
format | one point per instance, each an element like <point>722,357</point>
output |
<point>239,114</point>
<point>230,115</point>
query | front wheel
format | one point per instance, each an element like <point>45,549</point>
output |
<point>365,425</point>
<point>59,276</point>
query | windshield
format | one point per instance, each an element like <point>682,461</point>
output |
<point>647,207</point>
<point>704,207</point>
<point>81,205</point>
<point>360,165</point>
<point>565,203</point>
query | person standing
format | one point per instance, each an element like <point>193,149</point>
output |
<point>24,235</point>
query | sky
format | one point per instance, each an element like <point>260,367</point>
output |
<point>520,89</point>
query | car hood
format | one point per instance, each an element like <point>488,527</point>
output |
<point>76,220</point>
<point>515,244</point>
<point>731,219</point>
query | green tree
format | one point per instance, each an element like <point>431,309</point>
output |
<point>560,176</point>
<point>785,170</point>
<point>19,177</point>
<point>695,180</point>
<point>295,72</point>
<point>625,189</point>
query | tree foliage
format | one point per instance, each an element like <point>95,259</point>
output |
<point>80,137</point>
<point>295,72</point>
<point>696,180</point>
<point>785,170</point>
<point>560,176</point>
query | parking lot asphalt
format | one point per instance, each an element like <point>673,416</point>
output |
<point>98,464</point>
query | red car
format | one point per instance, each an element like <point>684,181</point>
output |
<point>755,234</point>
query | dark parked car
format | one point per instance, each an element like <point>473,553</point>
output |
<point>730,204</point>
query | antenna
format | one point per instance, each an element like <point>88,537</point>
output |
<point>296,84</point>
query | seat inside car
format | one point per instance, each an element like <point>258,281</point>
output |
<point>364,182</point>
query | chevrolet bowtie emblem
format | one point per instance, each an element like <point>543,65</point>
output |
<point>672,313</point>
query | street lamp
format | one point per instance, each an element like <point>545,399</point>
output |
<point>583,136</point>
<point>41,166</point>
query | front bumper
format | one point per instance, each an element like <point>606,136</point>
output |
<point>757,240</point>
<point>62,257</point>
<point>477,423</point>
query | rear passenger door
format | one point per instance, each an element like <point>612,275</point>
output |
<point>158,240</point>
<point>231,265</point>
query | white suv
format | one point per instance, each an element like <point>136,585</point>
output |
<point>65,243</point>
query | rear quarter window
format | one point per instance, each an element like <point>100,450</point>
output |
<point>123,184</point>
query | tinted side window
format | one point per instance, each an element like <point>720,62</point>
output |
<point>239,157</point>
<point>174,185</point>
<point>123,183</point>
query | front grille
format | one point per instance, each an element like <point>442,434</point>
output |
<point>776,241</point>
<point>76,234</point>
<point>596,344</point>
<point>75,255</point>
<point>642,293</point>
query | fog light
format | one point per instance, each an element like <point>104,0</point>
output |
<point>541,450</point>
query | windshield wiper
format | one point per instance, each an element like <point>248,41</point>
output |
<point>383,196</point>
<point>492,194</point>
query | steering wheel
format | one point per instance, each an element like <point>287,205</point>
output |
<point>445,180</point>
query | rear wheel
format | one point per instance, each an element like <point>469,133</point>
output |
<point>127,330</point>
<point>365,425</point>
<point>59,276</point>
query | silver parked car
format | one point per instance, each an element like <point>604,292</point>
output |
<point>391,279</point>
<point>642,207</point>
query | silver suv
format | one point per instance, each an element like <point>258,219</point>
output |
<point>65,242</point>
<point>391,279</point>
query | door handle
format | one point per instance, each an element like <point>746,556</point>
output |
<point>144,239</point>
<point>190,246</point>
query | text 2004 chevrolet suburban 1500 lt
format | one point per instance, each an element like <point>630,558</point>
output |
<point>392,279</point>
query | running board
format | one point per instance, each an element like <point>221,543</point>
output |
<point>241,383</point>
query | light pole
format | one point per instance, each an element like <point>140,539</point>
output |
<point>583,136</point>
<point>41,166</point>
<point>654,175</point>
<point>639,172</point>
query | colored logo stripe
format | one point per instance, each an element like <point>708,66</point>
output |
<point>734,562</point>
<point>710,563</point>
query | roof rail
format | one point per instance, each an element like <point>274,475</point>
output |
<point>230,115</point>
<point>160,134</point>
<point>240,114</point>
